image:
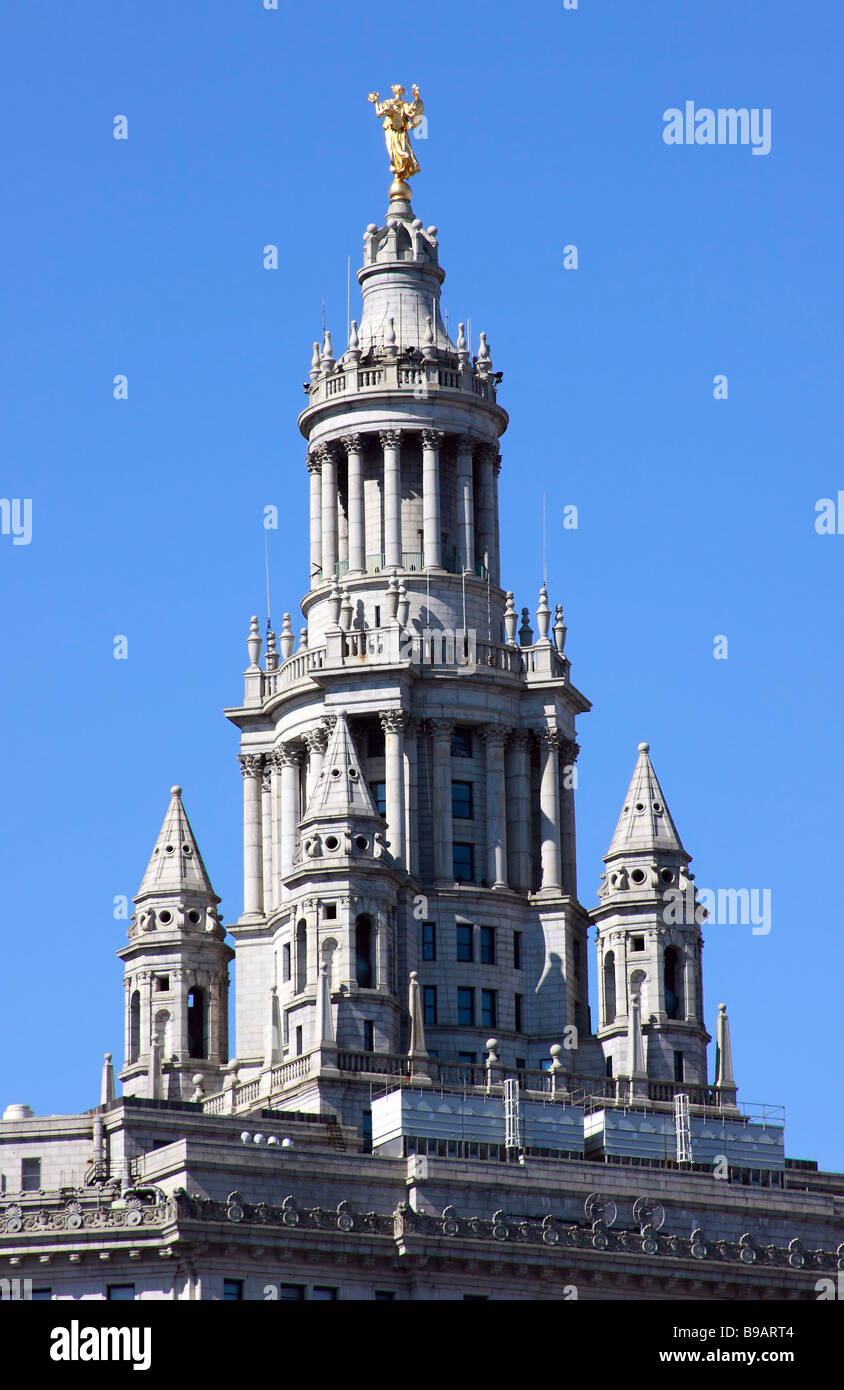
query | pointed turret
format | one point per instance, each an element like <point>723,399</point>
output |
<point>341,790</point>
<point>645,822</point>
<point>176,970</point>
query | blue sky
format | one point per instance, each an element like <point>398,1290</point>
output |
<point>143,257</point>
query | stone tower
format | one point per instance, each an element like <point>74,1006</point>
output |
<point>649,944</point>
<point>415,675</point>
<point>175,972</point>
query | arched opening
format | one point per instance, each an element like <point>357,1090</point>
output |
<point>363,951</point>
<point>134,1027</point>
<point>609,987</point>
<point>673,982</point>
<point>197,1040</point>
<point>301,955</point>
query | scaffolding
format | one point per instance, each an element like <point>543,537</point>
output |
<point>683,1127</point>
<point>512,1116</point>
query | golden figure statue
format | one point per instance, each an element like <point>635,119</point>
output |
<point>399,119</point>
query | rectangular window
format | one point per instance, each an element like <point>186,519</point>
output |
<point>461,800</point>
<point>299,1041</point>
<point>461,742</point>
<point>162,983</point>
<point>383,1295</point>
<point>487,945</point>
<point>30,1174</point>
<point>292,1292</point>
<point>429,1003</point>
<point>322,1292</point>
<point>375,743</point>
<point>429,941</point>
<point>285,963</point>
<point>368,1035</point>
<point>637,943</point>
<point>476,1298</point>
<point>42,1295</point>
<point>377,619</point>
<point>465,941</point>
<point>609,1068</point>
<point>521,1064</point>
<point>463,863</point>
<point>489,1008</point>
<point>329,912</point>
<point>379,796</point>
<point>466,1008</point>
<point>232,1290</point>
<point>466,1060</point>
<point>517,950</point>
<point>517,1023</point>
<point>366,1131</point>
<point>678,1066</point>
<point>116,1293</point>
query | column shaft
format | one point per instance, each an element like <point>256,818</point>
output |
<point>315,483</point>
<point>391,445</point>
<point>411,751</point>
<point>465,506</point>
<point>432,524</point>
<point>549,809</point>
<point>485,549</point>
<point>253,873</point>
<point>325,454</point>
<point>289,760</point>
<point>357,544</point>
<point>518,812</point>
<point>267,835</point>
<point>496,806</point>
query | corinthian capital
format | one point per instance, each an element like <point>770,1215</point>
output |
<point>432,439</point>
<point>390,439</point>
<point>487,453</point>
<point>324,453</point>
<point>251,764</point>
<point>394,721</point>
<point>495,735</point>
<point>288,755</point>
<point>441,728</point>
<point>313,461</point>
<point>550,739</point>
<point>569,750</point>
<point>352,443</point>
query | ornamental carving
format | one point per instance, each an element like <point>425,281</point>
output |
<point>394,721</point>
<point>432,439</point>
<point>390,439</point>
<point>352,443</point>
<point>251,764</point>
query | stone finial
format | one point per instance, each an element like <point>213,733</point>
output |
<point>286,639</point>
<point>403,609</point>
<point>543,615</point>
<point>428,350</point>
<point>393,593</point>
<point>484,357</point>
<point>314,372</point>
<point>525,630</point>
<point>326,360</point>
<point>253,643</point>
<point>107,1083</point>
<point>198,1081</point>
<point>335,598</point>
<point>511,617</point>
<point>417,1025</point>
<point>303,639</point>
<point>492,1065</point>
<point>271,658</point>
<point>724,1079</point>
<point>390,348</point>
<point>353,350</point>
<point>325,1019</point>
<point>462,346</point>
<point>346,610</point>
<point>559,630</point>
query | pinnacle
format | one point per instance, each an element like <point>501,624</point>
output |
<point>645,822</point>
<point>176,865</point>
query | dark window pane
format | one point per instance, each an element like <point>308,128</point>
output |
<point>116,1293</point>
<point>368,1035</point>
<point>461,800</point>
<point>366,1131</point>
<point>518,1012</point>
<point>321,1291</point>
<point>379,795</point>
<point>383,1295</point>
<point>30,1174</point>
<point>466,1007</point>
<point>517,950</point>
<point>42,1295</point>
<point>461,743</point>
<point>463,863</point>
<point>429,941</point>
<point>232,1290</point>
<point>429,1003</point>
<point>363,952</point>
<point>375,743</point>
<point>489,1008</point>
<point>487,945</point>
<point>465,934</point>
<point>292,1291</point>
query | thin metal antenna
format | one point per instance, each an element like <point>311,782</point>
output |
<point>323,318</point>
<point>544,544</point>
<point>267,569</point>
<point>348,298</point>
<point>446,323</point>
<point>469,336</point>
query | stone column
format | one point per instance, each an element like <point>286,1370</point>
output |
<point>394,723</point>
<point>520,874</point>
<point>496,529</point>
<point>441,731</point>
<point>267,832</point>
<point>314,470</point>
<point>251,765</point>
<point>431,442</point>
<point>495,736</point>
<point>465,505</point>
<point>391,445</point>
<point>353,444</point>
<point>570,751</point>
<point>325,455</point>
<point>317,742</point>
<point>549,808</point>
<point>411,753</point>
<point>272,761</point>
<point>288,762</point>
<point>484,545</point>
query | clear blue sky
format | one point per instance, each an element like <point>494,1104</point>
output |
<point>144,257</point>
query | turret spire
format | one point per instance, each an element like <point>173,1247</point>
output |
<point>176,865</point>
<point>645,822</point>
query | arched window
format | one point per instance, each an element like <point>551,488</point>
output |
<point>609,987</point>
<point>197,1039</point>
<point>363,952</point>
<point>134,1027</point>
<point>301,955</point>
<point>673,981</point>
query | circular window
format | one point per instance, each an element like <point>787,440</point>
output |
<point>640,806</point>
<point>193,915</point>
<point>638,875</point>
<point>169,849</point>
<point>361,841</point>
<point>353,774</point>
<point>186,849</point>
<point>335,772</point>
<point>626,809</point>
<point>331,842</point>
<point>667,876</point>
<point>165,916</point>
<point>657,806</point>
<point>613,878</point>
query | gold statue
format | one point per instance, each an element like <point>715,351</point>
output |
<point>400,118</point>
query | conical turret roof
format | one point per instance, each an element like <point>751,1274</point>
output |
<point>341,790</point>
<point>176,865</point>
<point>645,822</point>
